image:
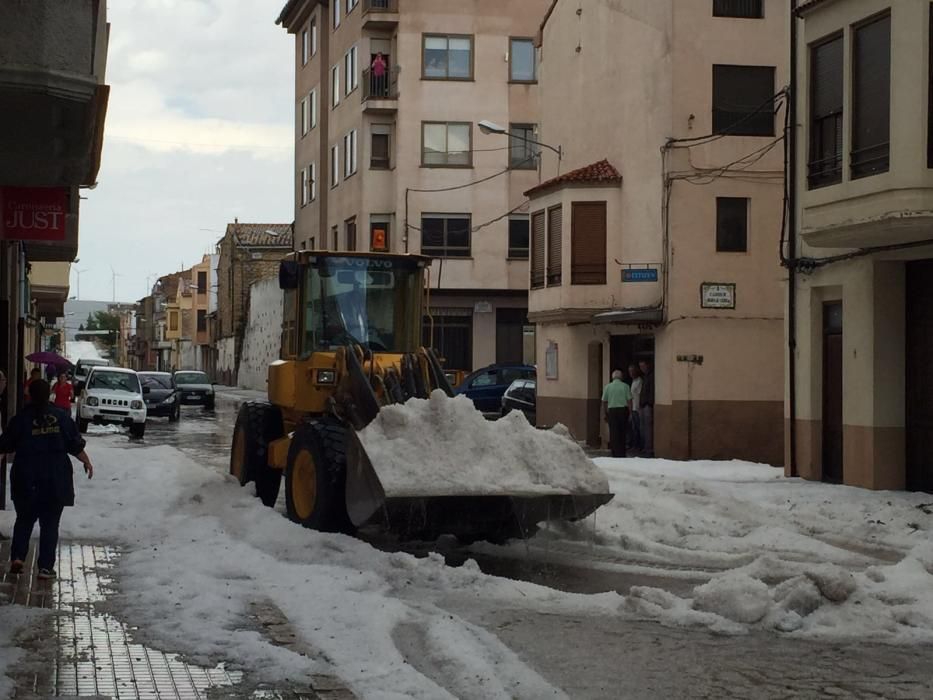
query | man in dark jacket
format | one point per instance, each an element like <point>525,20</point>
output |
<point>41,436</point>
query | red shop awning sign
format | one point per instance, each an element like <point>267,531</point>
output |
<point>33,213</point>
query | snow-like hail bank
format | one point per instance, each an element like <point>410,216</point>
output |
<point>751,549</point>
<point>441,446</point>
<point>199,553</point>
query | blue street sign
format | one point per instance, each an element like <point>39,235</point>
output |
<point>649,275</point>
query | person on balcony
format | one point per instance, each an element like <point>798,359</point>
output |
<point>378,69</point>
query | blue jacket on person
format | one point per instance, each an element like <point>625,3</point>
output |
<point>42,440</point>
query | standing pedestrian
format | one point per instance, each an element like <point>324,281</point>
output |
<point>635,419</point>
<point>41,437</point>
<point>34,375</point>
<point>64,393</point>
<point>378,68</point>
<point>617,400</point>
<point>646,408</point>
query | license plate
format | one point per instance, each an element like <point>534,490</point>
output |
<point>195,397</point>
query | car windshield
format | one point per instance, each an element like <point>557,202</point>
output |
<point>372,302</point>
<point>84,366</point>
<point>182,378</point>
<point>156,381</point>
<point>114,381</point>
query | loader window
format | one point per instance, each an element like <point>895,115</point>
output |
<point>373,302</point>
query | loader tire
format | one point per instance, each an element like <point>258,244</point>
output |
<point>258,423</point>
<point>316,476</point>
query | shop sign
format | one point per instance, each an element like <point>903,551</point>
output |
<point>639,275</point>
<point>482,307</point>
<point>33,213</point>
<point>717,295</point>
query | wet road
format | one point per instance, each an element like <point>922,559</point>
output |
<point>609,656</point>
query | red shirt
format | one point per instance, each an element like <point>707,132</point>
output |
<point>63,394</point>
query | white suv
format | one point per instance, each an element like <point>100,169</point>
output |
<point>112,395</point>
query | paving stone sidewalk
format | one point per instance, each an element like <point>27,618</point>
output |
<point>83,652</point>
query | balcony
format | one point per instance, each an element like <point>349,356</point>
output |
<point>52,62</point>
<point>380,14</point>
<point>380,92</point>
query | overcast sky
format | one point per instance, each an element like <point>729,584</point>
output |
<point>199,130</point>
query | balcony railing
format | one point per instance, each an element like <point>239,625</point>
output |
<point>380,6</point>
<point>383,86</point>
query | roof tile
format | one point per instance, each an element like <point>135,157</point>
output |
<point>259,235</point>
<point>599,173</point>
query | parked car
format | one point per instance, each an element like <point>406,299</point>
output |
<point>162,398</point>
<point>194,388</point>
<point>486,386</point>
<point>522,395</point>
<point>113,395</point>
<point>81,370</point>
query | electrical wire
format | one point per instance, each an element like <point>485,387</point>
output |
<point>774,100</point>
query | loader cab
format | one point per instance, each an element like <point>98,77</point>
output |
<point>336,299</point>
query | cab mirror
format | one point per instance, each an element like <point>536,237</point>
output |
<point>289,274</point>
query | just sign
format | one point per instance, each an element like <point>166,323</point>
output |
<point>33,213</point>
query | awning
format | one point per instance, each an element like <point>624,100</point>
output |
<point>640,316</point>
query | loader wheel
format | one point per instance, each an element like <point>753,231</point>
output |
<point>258,423</point>
<point>316,476</point>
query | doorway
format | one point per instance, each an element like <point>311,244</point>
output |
<point>919,376</point>
<point>510,335</point>
<point>625,350</point>
<point>595,382</point>
<point>832,392</point>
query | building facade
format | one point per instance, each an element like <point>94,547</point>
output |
<point>389,155</point>
<point>52,70</point>
<point>861,256</point>
<point>246,254</point>
<point>660,241</point>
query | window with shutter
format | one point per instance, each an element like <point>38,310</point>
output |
<point>731,225</point>
<point>826,107</point>
<point>743,100</point>
<point>588,243</point>
<point>554,244</point>
<point>871,98</point>
<point>537,250</point>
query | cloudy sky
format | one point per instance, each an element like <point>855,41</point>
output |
<point>198,131</point>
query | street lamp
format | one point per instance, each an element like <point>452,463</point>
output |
<point>490,127</point>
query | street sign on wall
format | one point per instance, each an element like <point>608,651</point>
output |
<point>717,295</point>
<point>33,213</point>
<point>640,275</point>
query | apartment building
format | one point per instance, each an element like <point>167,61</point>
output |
<point>861,311</point>
<point>660,240</point>
<point>389,155</point>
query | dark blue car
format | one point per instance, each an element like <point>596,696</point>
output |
<point>485,387</point>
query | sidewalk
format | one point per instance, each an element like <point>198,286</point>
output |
<point>83,652</point>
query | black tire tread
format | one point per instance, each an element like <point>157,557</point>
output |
<point>263,424</point>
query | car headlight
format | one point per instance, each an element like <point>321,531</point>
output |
<point>92,401</point>
<point>326,376</point>
<point>136,405</point>
<point>169,400</point>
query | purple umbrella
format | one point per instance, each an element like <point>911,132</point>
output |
<point>48,358</point>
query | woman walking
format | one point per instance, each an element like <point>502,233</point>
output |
<point>41,436</point>
<point>64,393</point>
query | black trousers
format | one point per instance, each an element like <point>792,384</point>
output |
<point>48,515</point>
<point>618,427</point>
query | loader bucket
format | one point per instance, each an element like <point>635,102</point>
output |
<point>436,466</point>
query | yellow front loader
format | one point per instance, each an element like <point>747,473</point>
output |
<point>351,345</point>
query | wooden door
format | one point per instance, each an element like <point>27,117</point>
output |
<point>832,392</point>
<point>919,376</point>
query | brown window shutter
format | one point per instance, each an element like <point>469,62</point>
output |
<point>554,239</point>
<point>537,250</point>
<point>588,243</point>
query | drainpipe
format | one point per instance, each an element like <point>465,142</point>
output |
<point>792,243</point>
